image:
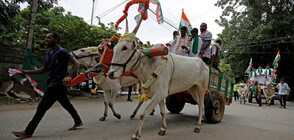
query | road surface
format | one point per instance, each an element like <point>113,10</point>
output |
<point>240,122</point>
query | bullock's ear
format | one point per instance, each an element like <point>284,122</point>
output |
<point>134,44</point>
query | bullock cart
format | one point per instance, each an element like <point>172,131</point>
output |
<point>219,93</point>
<point>267,92</point>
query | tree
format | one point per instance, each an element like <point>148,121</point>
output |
<point>10,9</point>
<point>75,32</point>
<point>258,29</point>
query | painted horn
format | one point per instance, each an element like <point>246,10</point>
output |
<point>127,25</point>
<point>137,27</point>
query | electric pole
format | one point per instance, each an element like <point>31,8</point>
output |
<point>92,13</point>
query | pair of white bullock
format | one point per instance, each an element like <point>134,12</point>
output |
<point>268,91</point>
<point>179,74</point>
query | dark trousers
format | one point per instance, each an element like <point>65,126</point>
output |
<point>236,95</point>
<point>258,100</point>
<point>51,95</point>
<point>282,99</point>
<point>130,92</point>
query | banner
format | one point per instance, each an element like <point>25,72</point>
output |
<point>28,77</point>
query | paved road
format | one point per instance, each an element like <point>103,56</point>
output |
<point>240,122</point>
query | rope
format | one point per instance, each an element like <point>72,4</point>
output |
<point>172,73</point>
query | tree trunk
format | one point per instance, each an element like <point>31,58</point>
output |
<point>32,23</point>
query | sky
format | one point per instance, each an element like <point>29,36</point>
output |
<point>197,11</point>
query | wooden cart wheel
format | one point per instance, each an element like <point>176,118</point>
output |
<point>250,97</point>
<point>173,104</point>
<point>215,108</point>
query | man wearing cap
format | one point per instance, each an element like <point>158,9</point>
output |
<point>216,53</point>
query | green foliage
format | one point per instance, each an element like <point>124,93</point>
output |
<point>7,16</point>
<point>75,32</point>
<point>256,22</point>
<point>9,21</point>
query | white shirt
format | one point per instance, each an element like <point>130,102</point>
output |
<point>267,73</point>
<point>283,88</point>
<point>172,48</point>
<point>184,41</point>
<point>207,36</point>
<point>260,78</point>
<point>191,54</point>
<point>253,76</point>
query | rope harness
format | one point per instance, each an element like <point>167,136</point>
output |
<point>124,65</point>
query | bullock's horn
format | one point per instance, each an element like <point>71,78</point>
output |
<point>137,27</point>
<point>127,25</point>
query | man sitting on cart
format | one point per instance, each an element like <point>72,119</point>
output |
<point>269,73</point>
<point>216,53</point>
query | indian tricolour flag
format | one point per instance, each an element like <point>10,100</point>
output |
<point>277,59</point>
<point>159,15</point>
<point>185,22</point>
<point>249,67</point>
<point>143,10</point>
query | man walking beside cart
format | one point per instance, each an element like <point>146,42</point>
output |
<point>284,91</point>
<point>56,63</point>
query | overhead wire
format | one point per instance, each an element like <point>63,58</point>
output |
<point>163,25</point>
<point>108,11</point>
<point>164,20</point>
<point>169,13</point>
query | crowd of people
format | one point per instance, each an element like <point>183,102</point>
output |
<point>197,45</point>
<point>258,78</point>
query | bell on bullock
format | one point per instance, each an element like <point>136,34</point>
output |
<point>155,51</point>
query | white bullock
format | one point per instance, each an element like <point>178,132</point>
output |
<point>111,88</point>
<point>179,74</point>
<point>243,90</point>
<point>268,91</point>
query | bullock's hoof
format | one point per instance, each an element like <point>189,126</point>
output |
<point>132,116</point>
<point>102,118</point>
<point>134,139</point>
<point>197,130</point>
<point>161,133</point>
<point>117,116</point>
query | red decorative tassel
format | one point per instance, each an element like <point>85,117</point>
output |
<point>164,57</point>
<point>154,74</point>
<point>144,16</point>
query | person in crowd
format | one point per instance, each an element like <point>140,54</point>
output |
<point>284,91</point>
<point>235,90</point>
<point>56,64</point>
<point>206,37</point>
<point>256,91</point>
<point>260,76</point>
<point>171,44</point>
<point>269,73</point>
<point>182,42</point>
<point>195,45</point>
<point>252,75</point>
<point>216,53</point>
